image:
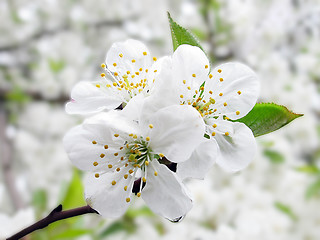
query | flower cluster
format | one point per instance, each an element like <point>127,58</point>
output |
<point>156,123</point>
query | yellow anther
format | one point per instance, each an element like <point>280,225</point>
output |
<point>128,72</point>
<point>138,194</point>
<point>210,92</point>
<point>212,101</point>
<point>110,166</point>
<point>145,53</point>
<point>106,146</point>
<point>97,85</point>
<point>94,142</point>
<point>114,84</point>
<point>102,74</point>
<point>210,75</point>
<point>155,71</point>
<point>114,64</point>
<point>137,73</point>
<point>220,94</point>
<point>214,125</point>
<point>184,81</point>
<point>181,96</point>
<point>95,164</point>
<point>130,171</point>
<point>147,163</point>
<point>108,85</point>
<point>206,66</point>
<point>125,188</point>
<point>140,69</point>
<point>128,199</point>
<point>103,65</point>
<point>239,92</point>
<point>150,126</point>
<point>102,155</point>
<point>116,135</point>
<point>121,148</point>
<point>161,155</point>
<point>118,169</point>
<point>125,176</point>
<point>116,74</point>
<point>196,91</point>
<point>121,158</point>
<point>226,133</point>
<point>147,70</point>
<point>126,165</point>
<point>120,55</point>
<point>144,179</point>
<point>132,76</point>
<point>97,175</point>
<point>237,112</point>
<point>134,136</point>
<point>154,59</point>
<point>148,138</point>
<point>225,104</point>
<point>219,70</point>
<point>155,173</point>
<point>202,88</point>
<point>189,88</point>
<point>193,75</point>
<point>113,182</point>
<point>213,134</point>
<point>221,79</point>
<point>133,61</point>
<point>116,154</point>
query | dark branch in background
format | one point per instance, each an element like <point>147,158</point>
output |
<point>46,33</point>
<point>56,215</point>
<point>6,161</point>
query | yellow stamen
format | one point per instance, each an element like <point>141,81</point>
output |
<point>94,142</point>
<point>150,126</point>
<point>128,199</point>
<point>110,166</point>
<point>103,65</point>
<point>226,133</point>
<point>237,112</point>
<point>213,134</point>
<point>106,146</point>
<point>97,85</point>
<point>145,53</point>
<point>97,175</point>
<point>121,55</point>
<point>113,182</point>
<point>219,70</point>
<point>155,173</point>
<point>95,164</point>
<point>116,135</point>
<point>102,155</point>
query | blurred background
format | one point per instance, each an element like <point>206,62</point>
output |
<point>47,46</point>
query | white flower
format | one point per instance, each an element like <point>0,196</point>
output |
<point>129,71</point>
<point>119,150</point>
<point>228,92</point>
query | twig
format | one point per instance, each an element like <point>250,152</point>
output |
<point>56,215</point>
<point>6,161</point>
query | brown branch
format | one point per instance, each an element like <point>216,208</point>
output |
<point>6,161</point>
<point>56,215</point>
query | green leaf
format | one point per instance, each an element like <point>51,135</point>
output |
<point>74,196</point>
<point>285,209</point>
<point>39,201</point>
<point>274,156</point>
<point>313,189</point>
<point>267,117</point>
<point>181,35</point>
<point>72,233</point>
<point>56,66</point>
<point>310,169</point>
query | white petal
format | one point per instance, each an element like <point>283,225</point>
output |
<point>165,194</point>
<point>200,162</point>
<point>177,131</point>
<point>190,64</point>
<point>109,200</point>
<point>237,149</point>
<point>133,58</point>
<point>100,129</point>
<point>236,77</point>
<point>87,98</point>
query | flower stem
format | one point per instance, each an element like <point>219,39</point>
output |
<point>56,215</point>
